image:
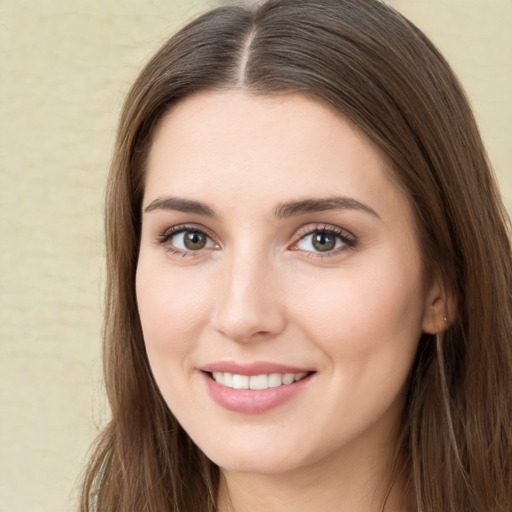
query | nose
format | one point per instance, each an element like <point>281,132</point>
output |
<point>249,305</point>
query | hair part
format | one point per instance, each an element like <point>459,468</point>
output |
<point>379,71</point>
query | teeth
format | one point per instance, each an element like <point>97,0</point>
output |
<point>274,380</point>
<point>240,382</point>
<point>258,382</point>
<point>227,379</point>
<point>263,381</point>
<point>288,378</point>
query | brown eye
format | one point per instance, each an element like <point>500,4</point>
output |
<point>326,240</point>
<point>323,242</point>
<point>194,240</point>
<point>185,240</point>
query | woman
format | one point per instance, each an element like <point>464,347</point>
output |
<point>309,275</point>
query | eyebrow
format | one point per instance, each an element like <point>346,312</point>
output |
<point>180,205</point>
<point>295,208</point>
<point>282,210</point>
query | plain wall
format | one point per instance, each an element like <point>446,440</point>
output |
<point>64,69</point>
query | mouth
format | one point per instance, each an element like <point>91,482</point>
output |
<point>254,388</point>
<point>257,382</point>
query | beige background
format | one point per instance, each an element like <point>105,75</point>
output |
<point>65,66</point>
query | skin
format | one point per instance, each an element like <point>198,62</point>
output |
<point>261,291</point>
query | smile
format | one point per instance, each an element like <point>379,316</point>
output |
<point>263,381</point>
<point>254,388</point>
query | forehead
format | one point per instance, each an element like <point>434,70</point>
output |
<point>230,145</point>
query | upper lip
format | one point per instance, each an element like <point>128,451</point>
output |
<point>250,369</point>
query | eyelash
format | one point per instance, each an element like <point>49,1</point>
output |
<point>348,240</point>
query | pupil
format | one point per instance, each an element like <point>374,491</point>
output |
<point>324,242</point>
<point>194,240</point>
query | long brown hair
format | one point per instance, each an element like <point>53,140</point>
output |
<point>382,73</point>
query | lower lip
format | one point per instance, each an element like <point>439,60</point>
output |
<point>253,401</point>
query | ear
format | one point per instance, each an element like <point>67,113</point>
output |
<point>439,309</point>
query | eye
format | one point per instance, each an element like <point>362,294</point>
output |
<point>328,239</point>
<point>182,239</point>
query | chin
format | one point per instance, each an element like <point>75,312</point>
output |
<point>257,464</point>
<point>260,457</point>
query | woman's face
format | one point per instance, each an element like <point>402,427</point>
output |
<point>277,254</point>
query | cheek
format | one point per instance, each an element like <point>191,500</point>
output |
<point>172,308</point>
<point>368,324</point>
<point>357,314</point>
<point>173,311</point>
